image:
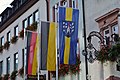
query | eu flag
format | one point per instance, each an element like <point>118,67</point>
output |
<point>68,34</point>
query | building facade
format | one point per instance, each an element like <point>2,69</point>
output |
<point>13,20</point>
<point>100,15</point>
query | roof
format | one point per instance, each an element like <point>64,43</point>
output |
<point>107,14</point>
<point>8,8</point>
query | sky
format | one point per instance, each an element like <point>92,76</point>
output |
<point>4,4</point>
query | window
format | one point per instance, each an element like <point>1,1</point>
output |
<point>23,51</point>
<point>36,16</point>
<point>107,36</point>
<point>65,3</point>
<point>8,65</point>
<point>74,3</point>
<point>2,41</point>
<point>8,36</point>
<point>30,19</point>
<point>115,29</point>
<point>23,55</point>
<point>16,61</point>
<point>16,31</point>
<point>1,67</point>
<point>118,65</point>
<point>25,24</point>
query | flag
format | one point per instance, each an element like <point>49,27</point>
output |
<point>48,46</point>
<point>31,55</point>
<point>68,34</point>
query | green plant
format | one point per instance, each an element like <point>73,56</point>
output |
<point>6,77</point>
<point>21,34</point>
<point>1,49</point>
<point>66,68</point>
<point>114,53</point>
<point>75,68</point>
<point>1,78</point>
<point>6,45</point>
<point>103,54</point>
<point>14,39</point>
<point>34,24</point>
<point>13,75</point>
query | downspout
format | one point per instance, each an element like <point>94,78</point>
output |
<point>48,5</point>
<point>85,42</point>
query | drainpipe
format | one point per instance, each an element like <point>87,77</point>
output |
<point>85,42</point>
<point>48,5</point>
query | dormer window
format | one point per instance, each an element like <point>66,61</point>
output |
<point>7,14</point>
<point>19,3</point>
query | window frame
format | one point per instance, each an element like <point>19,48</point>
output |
<point>34,15</point>
<point>8,65</point>
<point>16,59</point>
<point>113,26</point>
<point>8,36</point>
<point>1,67</point>
<point>25,23</point>
<point>2,41</point>
<point>107,36</point>
<point>29,19</point>
<point>16,31</point>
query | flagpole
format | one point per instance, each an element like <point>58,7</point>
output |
<point>78,53</point>
<point>25,54</point>
<point>57,40</point>
<point>56,43</point>
<point>39,52</point>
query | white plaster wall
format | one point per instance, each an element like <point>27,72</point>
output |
<point>41,6</point>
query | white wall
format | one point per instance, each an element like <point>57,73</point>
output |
<point>41,6</point>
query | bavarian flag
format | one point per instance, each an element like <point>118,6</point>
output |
<point>31,55</point>
<point>68,34</point>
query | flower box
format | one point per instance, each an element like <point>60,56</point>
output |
<point>21,71</point>
<point>14,39</point>
<point>1,49</point>
<point>21,34</point>
<point>6,76</point>
<point>13,75</point>
<point>7,45</point>
<point>32,27</point>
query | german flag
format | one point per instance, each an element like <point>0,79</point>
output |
<point>31,55</point>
